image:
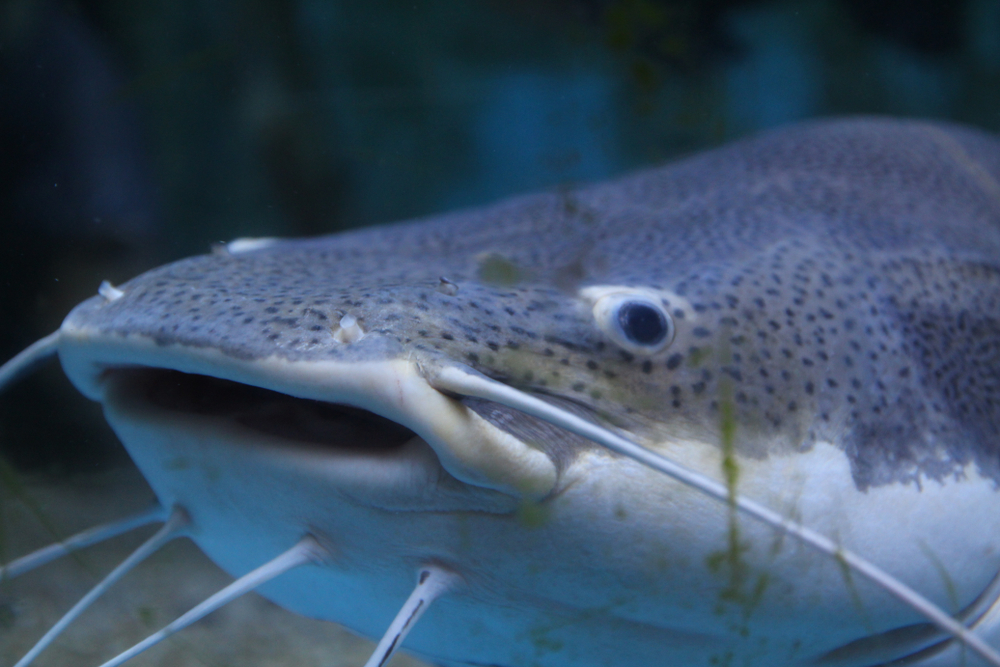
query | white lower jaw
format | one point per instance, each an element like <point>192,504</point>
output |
<point>381,516</point>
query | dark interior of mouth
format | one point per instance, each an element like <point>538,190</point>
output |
<point>269,412</point>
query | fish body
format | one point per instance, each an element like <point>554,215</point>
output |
<point>810,317</point>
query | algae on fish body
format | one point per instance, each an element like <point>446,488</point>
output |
<point>741,589</point>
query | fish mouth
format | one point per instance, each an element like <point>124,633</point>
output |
<point>381,433</point>
<point>172,421</point>
<point>301,422</point>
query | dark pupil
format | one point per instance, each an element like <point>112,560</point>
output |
<point>642,323</point>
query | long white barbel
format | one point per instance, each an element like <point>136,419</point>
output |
<point>461,382</point>
<point>28,359</point>
<point>82,539</point>
<point>172,528</point>
<point>21,365</point>
<point>308,550</point>
<point>432,582</point>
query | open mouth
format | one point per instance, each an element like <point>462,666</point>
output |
<point>302,421</point>
<point>241,435</point>
<point>379,409</point>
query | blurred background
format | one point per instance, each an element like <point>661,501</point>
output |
<point>135,133</point>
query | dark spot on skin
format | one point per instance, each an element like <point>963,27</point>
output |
<point>579,386</point>
<point>647,366</point>
<point>698,387</point>
<point>473,357</point>
<point>447,336</point>
<point>591,364</point>
<point>674,361</point>
<point>568,344</point>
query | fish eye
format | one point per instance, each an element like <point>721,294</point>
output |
<point>635,322</point>
<point>643,323</point>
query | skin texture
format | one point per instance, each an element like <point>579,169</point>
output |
<point>832,291</point>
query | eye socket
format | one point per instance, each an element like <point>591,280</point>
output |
<point>635,322</point>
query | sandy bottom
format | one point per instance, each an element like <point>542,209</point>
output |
<point>250,632</point>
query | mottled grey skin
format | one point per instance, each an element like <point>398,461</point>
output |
<point>843,275</point>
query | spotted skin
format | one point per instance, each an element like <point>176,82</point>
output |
<point>836,281</point>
